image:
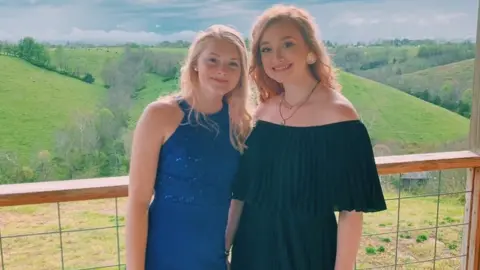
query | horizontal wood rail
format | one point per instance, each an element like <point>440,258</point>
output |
<point>112,187</point>
<point>427,162</point>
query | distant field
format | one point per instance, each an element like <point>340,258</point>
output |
<point>458,75</point>
<point>35,102</point>
<point>400,121</point>
<point>155,88</point>
<point>94,59</point>
<point>396,117</point>
<point>391,115</point>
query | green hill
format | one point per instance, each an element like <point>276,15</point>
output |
<point>35,102</point>
<point>86,59</point>
<point>93,60</point>
<point>457,75</point>
<point>396,118</point>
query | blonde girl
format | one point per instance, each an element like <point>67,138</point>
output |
<point>184,155</point>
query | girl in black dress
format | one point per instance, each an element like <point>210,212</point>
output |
<point>308,156</point>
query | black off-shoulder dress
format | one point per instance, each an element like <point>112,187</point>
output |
<point>292,180</point>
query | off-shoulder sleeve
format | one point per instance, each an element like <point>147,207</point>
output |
<point>356,185</point>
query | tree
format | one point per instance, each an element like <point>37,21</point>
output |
<point>33,52</point>
<point>447,95</point>
<point>467,96</point>
<point>9,168</point>
<point>60,59</point>
<point>88,78</point>
<point>43,166</point>
<point>75,147</point>
<point>465,103</point>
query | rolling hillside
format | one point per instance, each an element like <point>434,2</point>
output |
<point>35,102</point>
<point>93,60</point>
<point>394,117</point>
<point>42,101</point>
<point>458,75</point>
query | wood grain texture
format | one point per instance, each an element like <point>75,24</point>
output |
<point>63,191</point>
<point>427,162</point>
<point>471,243</point>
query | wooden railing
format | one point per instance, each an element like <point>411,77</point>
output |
<point>116,187</point>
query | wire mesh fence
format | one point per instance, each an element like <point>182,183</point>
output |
<point>72,235</point>
<point>423,228</point>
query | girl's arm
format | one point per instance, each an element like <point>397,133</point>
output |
<point>348,239</point>
<point>234,214</point>
<point>152,127</point>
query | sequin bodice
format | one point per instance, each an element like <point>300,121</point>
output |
<point>189,212</point>
<point>196,164</point>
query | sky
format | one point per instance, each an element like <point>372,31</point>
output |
<point>153,21</point>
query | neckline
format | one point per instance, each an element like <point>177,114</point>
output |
<point>327,125</point>
<point>187,105</point>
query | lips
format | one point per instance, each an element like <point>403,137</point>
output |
<point>282,67</point>
<point>220,80</point>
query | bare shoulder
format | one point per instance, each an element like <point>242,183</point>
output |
<point>160,110</point>
<point>342,109</point>
<point>159,117</point>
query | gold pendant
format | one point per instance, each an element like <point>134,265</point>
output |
<point>282,122</point>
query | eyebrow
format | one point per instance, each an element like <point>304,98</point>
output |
<point>216,54</point>
<point>284,38</point>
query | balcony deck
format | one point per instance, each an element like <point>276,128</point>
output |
<point>82,221</point>
<point>430,224</point>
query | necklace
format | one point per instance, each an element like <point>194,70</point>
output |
<point>284,120</point>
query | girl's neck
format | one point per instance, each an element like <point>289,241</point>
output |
<point>298,90</point>
<point>205,104</point>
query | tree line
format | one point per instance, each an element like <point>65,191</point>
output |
<point>39,55</point>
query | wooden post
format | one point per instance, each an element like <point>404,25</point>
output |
<point>471,241</point>
<point>473,205</point>
<point>474,138</point>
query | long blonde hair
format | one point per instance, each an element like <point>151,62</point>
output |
<point>238,99</point>
<point>322,69</point>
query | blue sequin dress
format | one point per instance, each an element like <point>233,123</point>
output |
<point>188,216</point>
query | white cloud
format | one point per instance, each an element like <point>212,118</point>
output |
<point>104,37</point>
<point>448,17</point>
<point>156,20</point>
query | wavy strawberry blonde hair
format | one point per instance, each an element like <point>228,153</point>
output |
<point>238,99</point>
<point>322,69</point>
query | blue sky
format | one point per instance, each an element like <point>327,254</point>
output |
<point>151,21</point>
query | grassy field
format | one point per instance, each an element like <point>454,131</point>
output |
<point>394,117</point>
<point>35,102</point>
<point>155,88</point>
<point>459,75</point>
<point>84,247</point>
<point>94,59</point>
<point>91,59</point>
